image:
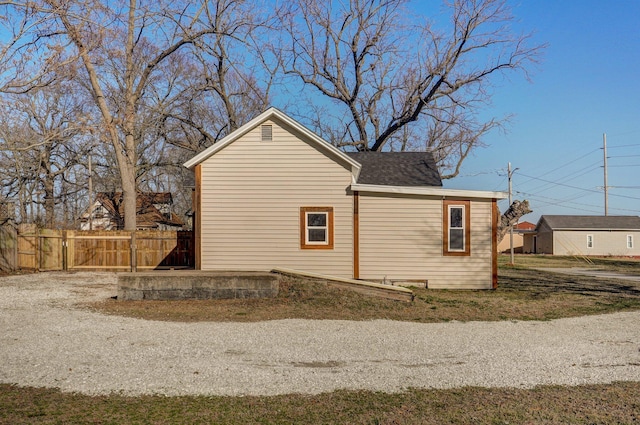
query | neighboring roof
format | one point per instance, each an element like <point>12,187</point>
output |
<point>591,222</point>
<point>397,168</point>
<point>147,215</point>
<point>281,117</point>
<point>524,225</point>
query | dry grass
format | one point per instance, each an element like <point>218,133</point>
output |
<point>522,294</point>
<point>617,403</point>
<point>627,265</point>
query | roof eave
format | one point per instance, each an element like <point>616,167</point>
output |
<point>270,113</point>
<point>429,191</point>
<point>596,229</point>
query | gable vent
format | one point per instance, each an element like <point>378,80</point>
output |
<point>267,133</point>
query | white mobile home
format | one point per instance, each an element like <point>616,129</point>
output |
<point>587,235</point>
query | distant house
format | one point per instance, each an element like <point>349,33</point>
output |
<point>586,235</point>
<point>274,194</point>
<point>153,212</point>
<point>519,232</point>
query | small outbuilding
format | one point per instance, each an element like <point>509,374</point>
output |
<point>586,235</point>
<point>274,194</point>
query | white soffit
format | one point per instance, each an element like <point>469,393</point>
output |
<point>429,191</point>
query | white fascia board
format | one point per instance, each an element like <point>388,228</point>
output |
<point>320,143</point>
<point>228,139</point>
<point>592,229</point>
<point>429,191</point>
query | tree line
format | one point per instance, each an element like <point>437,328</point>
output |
<point>137,86</point>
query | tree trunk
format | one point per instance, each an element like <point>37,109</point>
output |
<point>511,216</point>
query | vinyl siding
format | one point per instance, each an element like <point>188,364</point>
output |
<point>252,192</point>
<point>604,242</point>
<point>401,239</point>
<point>544,243</point>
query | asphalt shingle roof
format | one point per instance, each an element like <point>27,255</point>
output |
<point>613,222</point>
<point>397,168</point>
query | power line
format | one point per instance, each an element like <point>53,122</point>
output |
<point>560,202</point>
<point>623,146</point>
<point>579,188</point>
<point>587,169</point>
<point>563,165</point>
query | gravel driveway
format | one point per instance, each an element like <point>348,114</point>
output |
<point>45,340</point>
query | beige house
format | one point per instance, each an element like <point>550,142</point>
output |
<point>586,235</point>
<point>274,194</point>
<point>520,231</point>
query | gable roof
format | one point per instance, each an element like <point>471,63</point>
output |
<point>412,173</point>
<point>147,215</point>
<point>279,116</point>
<point>524,225</point>
<point>590,222</point>
<point>397,168</point>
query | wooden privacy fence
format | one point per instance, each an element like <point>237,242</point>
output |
<point>29,248</point>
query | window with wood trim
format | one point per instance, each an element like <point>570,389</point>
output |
<point>316,227</point>
<point>456,228</point>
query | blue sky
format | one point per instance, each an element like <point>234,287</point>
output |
<point>587,84</point>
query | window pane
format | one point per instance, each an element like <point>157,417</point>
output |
<point>317,219</point>
<point>317,235</point>
<point>456,217</point>
<point>456,239</point>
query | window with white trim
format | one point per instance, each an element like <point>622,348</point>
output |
<point>316,227</point>
<point>629,241</point>
<point>589,241</point>
<point>456,228</point>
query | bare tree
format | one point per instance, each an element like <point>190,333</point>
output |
<point>228,82</point>
<point>388,78</point>
<point>122,47</point>
<point>40,133</point>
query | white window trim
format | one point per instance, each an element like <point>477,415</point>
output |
<point>464,242</point>
<point>629,241</point>
<point>309,228</point>
<point>590,241</point>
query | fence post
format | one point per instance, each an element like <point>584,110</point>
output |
<point>38,244</point>
<point>134,254</point>
<point>64,250</point>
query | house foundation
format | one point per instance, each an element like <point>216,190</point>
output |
<point>196,284</point>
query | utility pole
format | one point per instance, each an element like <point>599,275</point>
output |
<point>90,196</point>
<point>510,173</point>
<point>606,187</point>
